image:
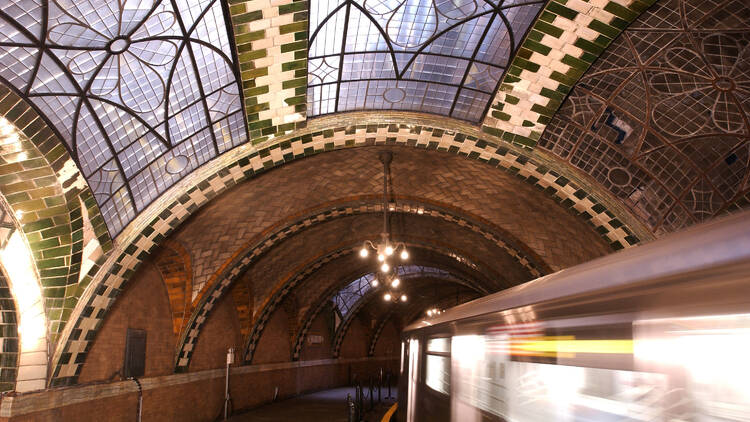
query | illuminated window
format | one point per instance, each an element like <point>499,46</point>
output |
<point>438,369</point>
<point>435,56</point>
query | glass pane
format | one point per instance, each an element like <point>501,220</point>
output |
<point>438,373</point>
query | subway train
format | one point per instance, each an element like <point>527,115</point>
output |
<point>657,332</point>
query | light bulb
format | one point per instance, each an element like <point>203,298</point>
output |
<point>363,252</point>
<point>381,257</point>
<point>429,312</point>
<point>389,250</point>
<point>385,267</point>
<point>403,298</point>
<point>404,254</point>
<point>395,283</point>
<point>387,296</point>
<point>374,283</point>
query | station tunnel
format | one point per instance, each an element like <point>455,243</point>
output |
<point>299,209</point>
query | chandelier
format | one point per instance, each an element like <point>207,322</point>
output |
<point>386,250</point>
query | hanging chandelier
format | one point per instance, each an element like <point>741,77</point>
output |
<point>385,250</point>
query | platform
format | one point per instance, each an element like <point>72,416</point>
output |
<point>321,406</point>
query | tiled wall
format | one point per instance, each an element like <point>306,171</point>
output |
<point>44,189</point>
<point>9,342</point>
<point>271,40</point>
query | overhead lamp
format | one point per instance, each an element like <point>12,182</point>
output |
<point>385,247</point>
<point>403,298</point>
<point>387,297</point>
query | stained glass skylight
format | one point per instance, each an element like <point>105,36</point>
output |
<point>141,91</point>
<point>437,56</point>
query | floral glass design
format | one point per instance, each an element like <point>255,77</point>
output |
<point>437,56</point>
<point>662,119</point>
<point>141,91</point>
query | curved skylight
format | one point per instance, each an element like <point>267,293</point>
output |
<point>437,56</point>
<point>142,92</point>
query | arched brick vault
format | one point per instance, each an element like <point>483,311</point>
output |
<point>174,263</point>
<point>152,226</point>
<point>417,288</point>
<point>487,234</point>
<point>315,284</point>
<point>234,224</point>
<point>273,275</point>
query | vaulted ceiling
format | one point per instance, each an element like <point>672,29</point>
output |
<point>235,144</point>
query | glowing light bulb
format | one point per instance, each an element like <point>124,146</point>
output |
<point>404,254</point>
<point>395,283</point>
<point>387,296</point>
<point>403,298</point>
<point>429,312</point>
<point>389,250</point>
<point>385,267</point>
<point>381,257</point>
<point>374,283</point>
<point>363,252</point>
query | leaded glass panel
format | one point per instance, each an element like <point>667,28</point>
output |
<point>141,91</point>
<point>438,56</point>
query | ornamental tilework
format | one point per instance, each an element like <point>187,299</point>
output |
<point>9,341</point>
<point>271,40</point>
<point>568,36</point>
<point>54,206</point>
<point>154,225</point>
<point>661,119</point>
<point>378,330</point>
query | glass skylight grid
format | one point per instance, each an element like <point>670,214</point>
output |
<point>437,56</point>
<point>141,91</point>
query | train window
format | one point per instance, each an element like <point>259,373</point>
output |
<point>439,345</point>
<point>438,363</point>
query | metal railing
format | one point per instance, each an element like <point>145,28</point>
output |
<point>355,406</point>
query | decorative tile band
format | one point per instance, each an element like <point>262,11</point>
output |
<point>271,40</point>
<point>152,226</point>
<point>9,341</point>
<point>378,331</point>
<point>566,39</point>
<point>46,192</point>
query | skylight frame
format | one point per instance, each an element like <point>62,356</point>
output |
<point>320,89</point>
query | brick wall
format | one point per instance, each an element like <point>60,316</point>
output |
<point>222,332</point>
<point>190,397</point>
<point>143,305</point>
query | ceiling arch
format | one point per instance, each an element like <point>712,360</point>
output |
<point>136,246</point>
<point>272,251</point>
<point>323,299</point>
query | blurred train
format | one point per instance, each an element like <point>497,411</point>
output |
<point>658,332</point>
